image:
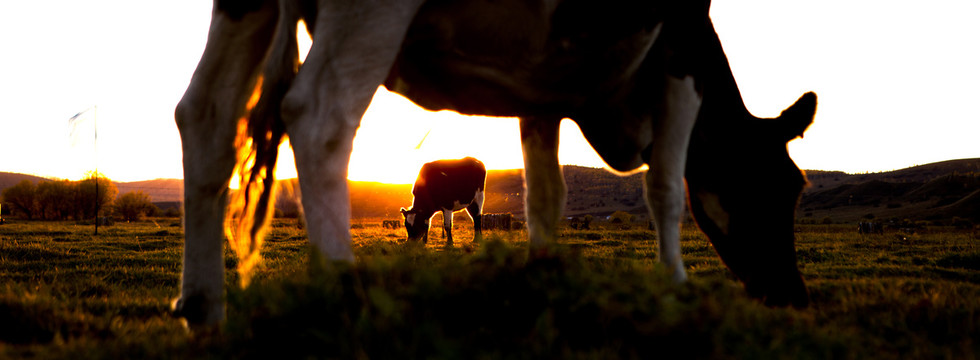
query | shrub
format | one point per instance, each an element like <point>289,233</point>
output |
<point>132,206</point>
<point>172,212</point>
<point>621,217</point>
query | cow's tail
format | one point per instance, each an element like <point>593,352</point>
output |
<point>260,133</point>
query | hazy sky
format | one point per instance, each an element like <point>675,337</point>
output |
<point>897,83</point>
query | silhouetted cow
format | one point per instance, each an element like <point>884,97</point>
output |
<point>447,186</point>
<point>865,227</point>
<point>390,224</point>
<point>647,82</point>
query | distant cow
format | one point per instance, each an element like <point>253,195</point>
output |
<point>390,224</point>
<point>580,223</point>
<point>447,186</point>
<point>497,221</point>
<point>870,228</point>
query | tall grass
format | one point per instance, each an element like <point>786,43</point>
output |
<point>598,294</point>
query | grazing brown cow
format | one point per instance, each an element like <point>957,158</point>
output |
<point>642,79</point>
<point>447,186</point>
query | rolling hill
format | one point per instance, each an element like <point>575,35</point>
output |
<point>823,180</point>
<point>937,191</point>
<point>10,179</point>
<point>160,190</point>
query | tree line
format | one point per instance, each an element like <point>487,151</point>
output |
<point>76,200</point>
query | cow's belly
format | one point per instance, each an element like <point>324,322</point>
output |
<point>457,206</point>
<point>519,57</point>
<point>473,89</point>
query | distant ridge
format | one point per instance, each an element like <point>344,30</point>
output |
<point>10,179</point>
<point>160,190</point>
<point>937,191</point>
<point>821,180</point>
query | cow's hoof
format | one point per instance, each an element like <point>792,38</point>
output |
<point>190,308</point>
<point>193,311</point>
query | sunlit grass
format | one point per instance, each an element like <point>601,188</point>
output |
<point>67,293</point>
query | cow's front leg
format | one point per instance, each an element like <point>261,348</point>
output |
<point>544,184</point>
<point>447,226</point>
<point>207,118</point>
<point>665,178</point>
<point>354,46</point>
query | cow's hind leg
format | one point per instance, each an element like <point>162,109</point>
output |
<point>354,46</point>
<point>447,226</point>
<point>667,159</point>
<point>207,117</point>
<point>543,180</point>
<point>476,213</point>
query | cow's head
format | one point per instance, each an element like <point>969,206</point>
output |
<point>743,190</point>
<point>416,225</point>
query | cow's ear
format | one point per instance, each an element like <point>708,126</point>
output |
<point>795,119</point>
<point>404,211</point>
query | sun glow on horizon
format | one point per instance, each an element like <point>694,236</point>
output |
<point>396,137</point>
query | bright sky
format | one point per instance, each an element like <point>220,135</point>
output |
<point>897,82</point>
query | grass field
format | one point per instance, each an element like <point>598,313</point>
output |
<point>68,294</point>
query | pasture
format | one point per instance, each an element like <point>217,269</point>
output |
<point>598,294</point>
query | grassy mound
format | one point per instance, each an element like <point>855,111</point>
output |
<point>497,304</point>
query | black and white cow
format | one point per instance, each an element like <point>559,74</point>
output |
<point>647,82</point>
<point>447,186</point>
